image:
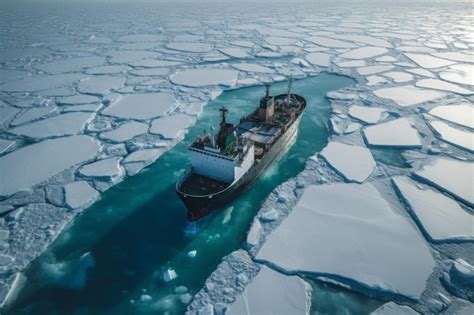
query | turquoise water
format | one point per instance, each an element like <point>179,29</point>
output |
<point>138,229</point>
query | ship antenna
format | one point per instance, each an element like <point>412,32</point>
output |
<point>267,90</point>
<point>223,111</point>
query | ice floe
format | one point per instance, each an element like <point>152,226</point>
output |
<point>364,53</point>
<point>461,114</point>
<point>395,133</point>
<point>271,292</point>
<point>196,47</point>
<point>392,308</point>
<point>125,132</point>
<point>33,114</point>
<point>319,59</point>
<point>457,137</point>
<point>370,243</point>
<point>35,163</point>
<point>204,77</point>
<point>354,163</point>
<point>368,115</point>
<point>79,194</point>
<point>369,70</point>
<point>429,62</point>
<point>452,176</point>
<point>41,83</point>
<point>443,86</point>
<point>60,125</point>
<point>172,126</point>
<point>106,169</point>
<point>5,145</point>
<point>399,77</point>
<point>329,42</point>
<point>408,95</point>
<point>440,216</point>
<point>461,73</point>
<point>141,106</point>
<point>71,65</point>
<point>251,67</point>
<point>100,85</point>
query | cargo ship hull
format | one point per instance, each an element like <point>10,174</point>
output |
<point>200,206</point>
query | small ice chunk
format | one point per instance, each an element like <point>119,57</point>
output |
<point>125,132</point>
<point>399,77</point>
<point>397,133</point>
<point>106,169</point>
<point>375,80</point>
<point>80,194</point>
<point>408,95</point>
<point>169,275</point>
<point>392,308</point>
<point>253,235</point>
<point>6,113</point>
<point>269,215</point>
<point>443,86</point>
<point>459,138</point>
<point>364,53</point>
<point>205,77</point>
<point>192,253</point>
<point>452,176</point>
<point>319,59</point>
<point>369,115</point>
<point>440,216</point>
<point>60,125</point>
<point>141,106</point>
<point>271,292</point>
<point>461,114</point>
<point>145,298</point>
<point>171,127</point>
<point>370,243</point>
<point>428,62</point>
<point>33,164</point>
<point>354,163</point>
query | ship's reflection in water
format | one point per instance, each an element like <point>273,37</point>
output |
<point>138,229</point>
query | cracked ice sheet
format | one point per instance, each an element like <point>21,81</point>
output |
<point>408,95</point>
<point>457,137</point>
<point>461,114</point>
<point>205,77</point>
<point>368,115</point>
<point>35,163</point>
<point>141,106</point>
<point>440,216</point>
<point>271,292</point>
<point>370,243</point>
<point>452,176</point>
<point>394,133</point>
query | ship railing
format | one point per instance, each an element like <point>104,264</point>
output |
<point>184,175</point>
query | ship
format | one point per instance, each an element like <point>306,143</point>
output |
<point>226,163</point>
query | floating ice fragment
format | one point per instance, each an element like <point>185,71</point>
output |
<point>205,77</point>
<point>125,132</point>
<point>369,115</point>
<point>40,83</point>
<point>398,77</point>
<point>364,53</point>
<point>141,106</point>
<point>319,59</point>
<point>429,62</point>
<point>459,138</point>
<point>71,65</point>
<point>196,47</point>
<point>80,194</point>
<point>396,133</point>
<point>440,216</point>
<point>461,114</point>
<point>106,169</point>
<point>100,85</point>
<point>354,163</point>
<point>5,145</point>
<point>251,67</point>
<point>461,73</point>
<point>408,95</point>
<point>374,69</point>
<point>171,127</point>
<point>192,253</point>
<point>329,42</point>
<point>392,308</point>
<point>443,86</point>
<point>169,275</point>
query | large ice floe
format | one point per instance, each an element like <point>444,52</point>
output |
<point>367,241</point>
<point>86,101</point>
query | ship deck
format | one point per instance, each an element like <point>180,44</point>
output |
<point>198,185</point>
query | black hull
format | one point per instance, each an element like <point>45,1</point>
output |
<point>200,206</point>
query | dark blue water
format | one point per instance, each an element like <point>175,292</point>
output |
<point>138,229</point>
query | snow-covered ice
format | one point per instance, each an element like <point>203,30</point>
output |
<point>37,162</point>
<point>441,217</point>
<point>79,194</point>
<point>125,132</point>
<point>394,133</point>
<point>106,169</point>
<point>408,95</point>
<point>252,67</point>
<point>205,77</point>
<point>457,137</point>
<point>369,70</point>
<point>272,293</point>
<point>461,113</point>
<point>452,176</point>
<point>319,59</point>
<point>460,73</point>
<point>442,86</point>
<point>141,106</point>
<point>369,115</point>
<point>370,243</point>
<point>171,127</point>
<point>329,42</point>
<point>392,308</point>
<point>429,62</point>
<point>364,53</point>
<point>100,85</point>
<point>354,163</point>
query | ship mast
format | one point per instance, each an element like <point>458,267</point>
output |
<point>223,111</point>
<point>290,84</point>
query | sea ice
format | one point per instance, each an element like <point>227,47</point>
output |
<point>459,278</point>
<point>78,99</point>
<point>141,106</point>
<point>459,138</point>
<point>271,292</point>
<point>461,114</point>
<point>33,114</point>
<point>392,308</point>
<point>7,113</point>
<point>398,76</point>
<point>195,47</point>
<point>204,77</point>
<point>108,70</point>
<point>169,275</point>
<point>37,162</point>
<point>429,62</point>
<point>251,67</point>
<point>443,86</point>
<point>71,65</point>
<point>171,127</point>
<point>369,40</point>
<point>319,59</point>
<point>354,163</point>
<point>369,242</point>
<point>369,70</point>
<point>235,52</point>
<point>462,74</point>
<point>364,53</point>
<point>125,132</point>
<point>100,85</point>
<point>440,216</point>
<point>369,115</point>
<point>396,133</point>
<point>329,42</point>
<point>60,125</point>
<point>41,83</point>
<point>452,176</point>
<point>5,145</point>
<point>151,72</point>
<point>106,169</point>
<point>351,64</point>
<point>454,56</point>
<point>408,95</point>
<point>80,194</point>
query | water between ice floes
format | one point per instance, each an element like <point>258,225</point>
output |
<point>138,229</point>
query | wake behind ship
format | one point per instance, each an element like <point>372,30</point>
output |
<point>225,164</point>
